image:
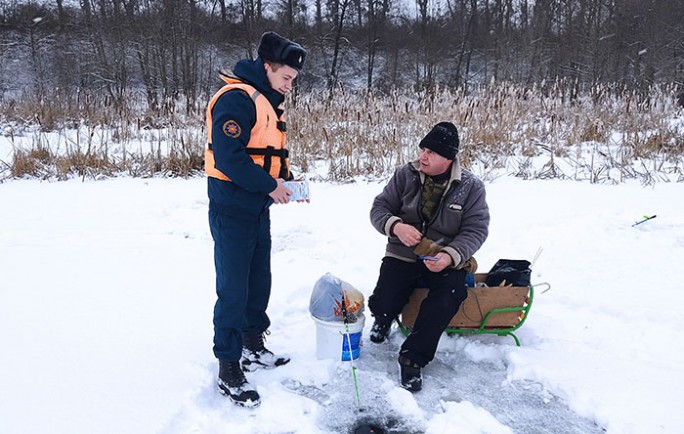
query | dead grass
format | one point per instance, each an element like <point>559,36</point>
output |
<point>30,163</point>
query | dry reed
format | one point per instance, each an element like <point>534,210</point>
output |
<point>601,135</point>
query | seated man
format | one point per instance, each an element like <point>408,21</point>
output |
<point>430,206</point>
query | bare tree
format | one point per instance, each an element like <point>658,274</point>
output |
<point>338,10</point>
<point>375,29</point>
<point>463,16</point>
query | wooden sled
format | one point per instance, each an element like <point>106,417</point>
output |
<point>498,310</point>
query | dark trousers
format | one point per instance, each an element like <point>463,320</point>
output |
<point>242,257</point>
<point>398,279</point>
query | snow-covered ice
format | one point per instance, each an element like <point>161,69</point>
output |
<point>107,291</point>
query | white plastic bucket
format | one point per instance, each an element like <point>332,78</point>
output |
<point>332,341</point>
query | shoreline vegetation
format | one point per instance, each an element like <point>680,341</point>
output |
<point>607,134</point>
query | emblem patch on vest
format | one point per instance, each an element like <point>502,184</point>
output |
<point>232,129</point>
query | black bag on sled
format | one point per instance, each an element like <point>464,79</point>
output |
<point>514,271</point>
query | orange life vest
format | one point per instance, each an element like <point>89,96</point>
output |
<point>267,140</point>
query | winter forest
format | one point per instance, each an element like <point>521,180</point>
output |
<point>170,50</point>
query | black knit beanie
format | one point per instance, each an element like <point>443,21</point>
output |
<point>442,139</point>
<point>275,48</point>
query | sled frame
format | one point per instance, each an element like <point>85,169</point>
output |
<point>484,328</point>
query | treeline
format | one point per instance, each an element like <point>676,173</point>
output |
<point>167,52</point>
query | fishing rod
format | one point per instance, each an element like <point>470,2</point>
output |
<point>645,219</point>
<point>349,345</point>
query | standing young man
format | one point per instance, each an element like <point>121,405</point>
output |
<point>246,163</point>
<point>430,207</point>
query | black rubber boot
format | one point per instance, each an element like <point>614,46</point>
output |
<point>411,379</point>
<point>233,384</point>
<point>256,356</point>
<point>380,331</point>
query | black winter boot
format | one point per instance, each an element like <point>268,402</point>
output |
<point>255,355</point>
<point>380,331</point>
<point>411,379</point>
<point>232,383</point>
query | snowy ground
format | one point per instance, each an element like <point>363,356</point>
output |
<point>106,297</point>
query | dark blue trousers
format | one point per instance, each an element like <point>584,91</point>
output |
<point>242,257</point>
<point>397,280</point>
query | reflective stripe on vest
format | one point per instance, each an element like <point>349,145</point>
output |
<point>267,141</point>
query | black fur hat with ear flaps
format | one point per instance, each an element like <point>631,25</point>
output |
<point>276,48</point>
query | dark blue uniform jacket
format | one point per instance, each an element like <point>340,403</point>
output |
<point>246,195</point>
